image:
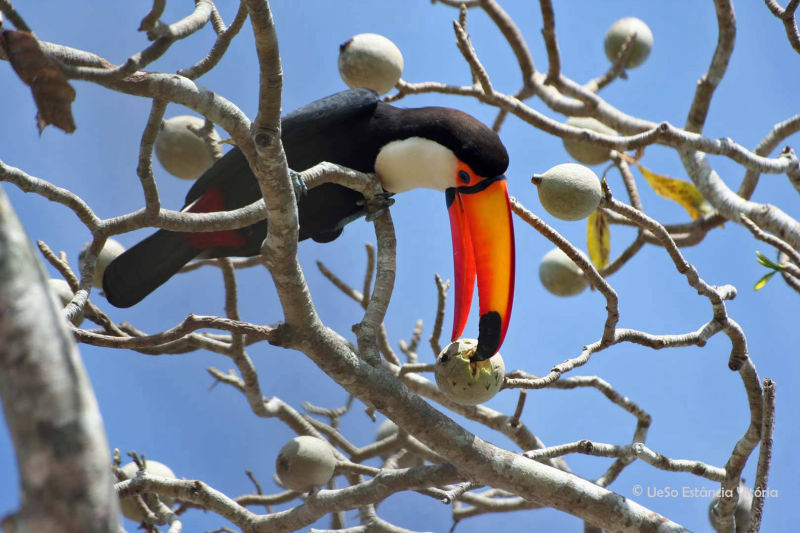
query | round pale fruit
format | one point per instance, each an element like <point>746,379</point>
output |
<point>61,289</point>
<point>560,275</point>
<point>642,42</point>
<point>372,61</point>
<point>64,294</point>
<point>111,249</point>
<point>569,191</point>
<point>304,463</point>
<point>182,153</point>
<point>741,514</point>
<point>464,381</point>
<point>129,507</point>
<point>583,151</point>
<point>388,429</point>
<point>385,430</point>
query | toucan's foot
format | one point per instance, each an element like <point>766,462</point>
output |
<point>299,185</point>
<point>377,205</point>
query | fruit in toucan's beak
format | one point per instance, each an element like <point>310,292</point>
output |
<point>483,247</point>
<point>465,381</point>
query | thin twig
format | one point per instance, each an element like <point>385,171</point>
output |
<point>369,273</point>
<point>788,18</point>
<point>550,42</point>
<point>514,420</point>
<point>578,257</point>
<point>617,69</point>
<point>441,291</point>
<point>149,21</point>
<point>662,462</point>
<point>167,35</point>
<point>7,9</point>
<point>764,457</point>
<point>219,48</point>
<point>477,69</point>
<point>716,295</point>
<point>772,240</point>
<point>145,167</point>
<point>726,27</point>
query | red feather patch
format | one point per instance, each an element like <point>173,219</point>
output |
<point>212,201</point>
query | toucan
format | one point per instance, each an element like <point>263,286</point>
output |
<point>430,147</point>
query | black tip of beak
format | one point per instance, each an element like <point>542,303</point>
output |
<point>489,330</point>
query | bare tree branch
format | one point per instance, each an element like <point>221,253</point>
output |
<point>788,17</point>
<point>530,477</point>
<point>48,402</point>
<point>764,457</point>
<point>726,26</point>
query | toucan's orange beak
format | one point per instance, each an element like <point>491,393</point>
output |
<point>483,246</point>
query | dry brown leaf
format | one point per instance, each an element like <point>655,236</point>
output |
<point>51,91</point>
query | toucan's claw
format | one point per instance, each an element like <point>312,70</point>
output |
<point>300,189</point>
<point>377,205</point>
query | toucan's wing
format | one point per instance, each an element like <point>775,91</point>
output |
<point>306,134</point>
<point>233,170</point>
<point>336,129</point>
<point>144,267</point>
<point>330,111</point>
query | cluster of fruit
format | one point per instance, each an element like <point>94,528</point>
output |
<point>571,191</point>
<point>305,463</point>
<point>568,192</point>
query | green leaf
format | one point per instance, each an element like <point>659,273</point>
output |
<point>763,281</point>
<point>763,261</point>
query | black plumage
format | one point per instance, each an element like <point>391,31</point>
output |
<point>347,128</point>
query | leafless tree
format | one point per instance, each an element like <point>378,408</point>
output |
<point>460,468</point>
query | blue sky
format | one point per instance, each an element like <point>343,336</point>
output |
<point>165,406</point>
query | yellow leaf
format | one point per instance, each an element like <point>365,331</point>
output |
<point>763,281</point>
<point>598,239</point>
<point>682,192</point>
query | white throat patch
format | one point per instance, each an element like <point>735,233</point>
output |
<point>414,163</point>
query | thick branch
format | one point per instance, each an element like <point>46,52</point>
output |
<point>48,401</point>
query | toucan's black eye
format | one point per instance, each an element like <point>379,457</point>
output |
<point>463,175</point>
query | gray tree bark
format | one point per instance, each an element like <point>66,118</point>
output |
<point>48,402</point>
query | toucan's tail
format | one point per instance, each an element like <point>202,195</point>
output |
<point>146,266</point>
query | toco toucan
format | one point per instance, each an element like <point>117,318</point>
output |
<point>431,147</point>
